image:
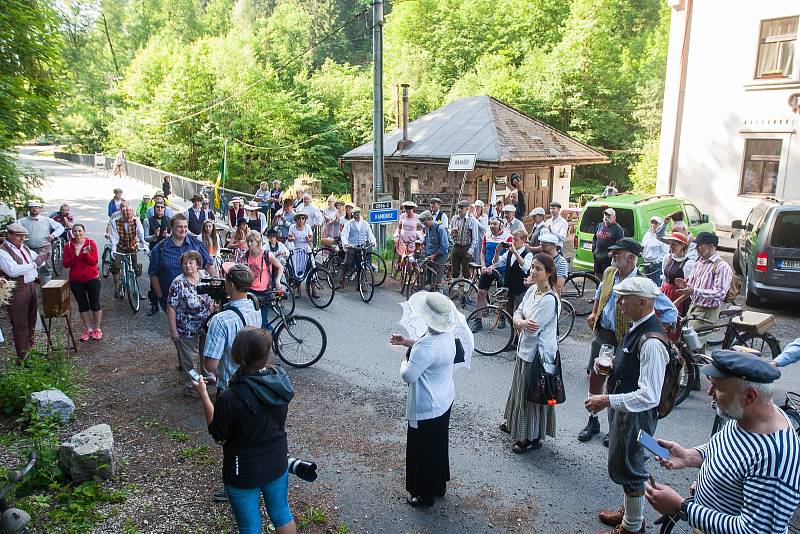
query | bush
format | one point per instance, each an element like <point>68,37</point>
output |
<point>37,373</point>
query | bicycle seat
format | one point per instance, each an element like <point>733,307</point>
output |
<point>731,311</point>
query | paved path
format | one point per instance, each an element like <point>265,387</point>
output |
<point>562,485</point>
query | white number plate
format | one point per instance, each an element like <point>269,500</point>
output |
<point>586,245</point>
<point>792,265</point>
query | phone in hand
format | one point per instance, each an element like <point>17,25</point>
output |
<point>194,375</point>
<point>649,442</point>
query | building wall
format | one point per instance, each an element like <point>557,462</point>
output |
<point>723,106</point>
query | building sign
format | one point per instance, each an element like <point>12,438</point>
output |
<point>383,205</point>
<point>462,162</point>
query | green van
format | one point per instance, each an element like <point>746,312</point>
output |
<point>633,214</point>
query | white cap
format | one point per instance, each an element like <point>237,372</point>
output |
<point>657,219</point>
<point>548,238</point>
<point>34,204</point>
<point>639,286</point>
<point>478,203</point>
<point>509,207</point>
<point>537,211</point>
<point>610,211</point>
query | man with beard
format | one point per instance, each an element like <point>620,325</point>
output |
<point>610,323</point>
<point>749,479</point>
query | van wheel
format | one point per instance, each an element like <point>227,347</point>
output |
<point>737,266</point>
<point>750,298</point>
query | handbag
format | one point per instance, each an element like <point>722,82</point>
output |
<point>543,387</point>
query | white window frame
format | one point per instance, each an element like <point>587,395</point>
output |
<point>790,82</point>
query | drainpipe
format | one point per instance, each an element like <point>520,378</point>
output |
<point>673,162</point>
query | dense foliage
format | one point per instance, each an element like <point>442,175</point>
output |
<point>171,80</point>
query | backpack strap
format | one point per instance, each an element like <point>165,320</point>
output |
<point>236,310</point>
<point>655,335</point>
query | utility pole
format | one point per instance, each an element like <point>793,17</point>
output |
<point>377,98</point>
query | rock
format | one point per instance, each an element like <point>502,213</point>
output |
<point>88,454</point>
<point>53,403</point>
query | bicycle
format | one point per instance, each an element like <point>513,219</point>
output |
<point>106,261</point>
<point>579,288</point>
<point>320,284</point>
<point>299,341</point>
<point>14,520</point>
<point>361,271</point>
<point>57,255</point>
<point>129,281</point>
<point>421,271</point>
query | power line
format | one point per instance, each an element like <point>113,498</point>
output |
<point>293,145</point>
<point>274,71</point>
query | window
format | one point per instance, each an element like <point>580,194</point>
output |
<point>776,47</point>
<point>786,232</point>
<point>592,216</point>
<point>693,214</point>
<point>761,161</point>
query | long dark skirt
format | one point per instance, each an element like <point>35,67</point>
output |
<point>427,457</point>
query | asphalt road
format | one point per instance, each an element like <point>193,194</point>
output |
<point>562,485</point>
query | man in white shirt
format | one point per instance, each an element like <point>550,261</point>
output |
<point>654,250</point>
<point>557,224</point>
<point>636,378</point>
<point>314,214</point>
<point>510,221</point>
<point>19,263</point>
<point>42,231</point>
<point>356,232</point>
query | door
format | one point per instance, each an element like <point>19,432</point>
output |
<point>537,188</point>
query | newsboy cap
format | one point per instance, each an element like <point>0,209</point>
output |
<point>629,244</point>
<point>638,286</point>
<point>732,363</point>
<point>706,238</point>
<point>16,228</point>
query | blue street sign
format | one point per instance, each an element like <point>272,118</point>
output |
<point>384,216</point>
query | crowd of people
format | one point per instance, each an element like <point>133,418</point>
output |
<point>224,351</point>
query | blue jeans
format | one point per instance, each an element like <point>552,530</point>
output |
<point>245,504</point>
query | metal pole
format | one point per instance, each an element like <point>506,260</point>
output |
<point>377,110</point>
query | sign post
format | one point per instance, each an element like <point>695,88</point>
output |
<point>462,163</point>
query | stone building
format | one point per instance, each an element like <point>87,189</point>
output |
<point>504,140</point>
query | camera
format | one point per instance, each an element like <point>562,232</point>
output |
<point>303,469</point>
<point>503,245</point>
<point>213,287</point>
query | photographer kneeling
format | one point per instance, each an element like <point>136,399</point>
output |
<point>248,419</point>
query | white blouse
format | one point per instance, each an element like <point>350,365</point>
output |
<point>429,375</point>
<point>542,309</point>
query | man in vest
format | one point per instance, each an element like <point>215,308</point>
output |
<point>510,221</point>
<point>196,215</point>
<point>436,245</point>
<point>536,230</point>
<point>156,229</point>
<point>637,375</point>
<point>356,232</point>
<point>439,216</point>
<point>609,322</point>
<point>19,263</point>
<point>42,231</point>
<point>127,236</point>
<point>464,229</point>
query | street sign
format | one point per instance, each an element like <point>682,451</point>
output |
<point>383,205</point>
<point>384,216</point>
<point>462,162</point>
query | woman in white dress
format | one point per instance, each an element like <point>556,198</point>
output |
<point>299,241</point>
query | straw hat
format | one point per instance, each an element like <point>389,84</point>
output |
<point>252,205</point>
<point>434,309</point>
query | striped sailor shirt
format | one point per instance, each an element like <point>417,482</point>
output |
<point>747,483</point>
<point>710,285</point>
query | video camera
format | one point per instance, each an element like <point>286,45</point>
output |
<point>213,287</point>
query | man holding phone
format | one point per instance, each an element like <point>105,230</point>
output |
<point>749,479</point>
<point>637,373</point>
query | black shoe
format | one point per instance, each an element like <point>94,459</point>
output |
<point>477,326</point>
<point>153,310</point>
<point>221,495</point>
<point>605,440</point>
<point>591,428</point>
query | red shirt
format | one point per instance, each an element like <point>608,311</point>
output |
<point>82,267</point>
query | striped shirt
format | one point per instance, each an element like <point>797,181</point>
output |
<point>562,267</point>
<point>710,287</point>
<point>748,482</point>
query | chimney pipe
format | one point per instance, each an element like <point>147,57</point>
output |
<point>405,142</point>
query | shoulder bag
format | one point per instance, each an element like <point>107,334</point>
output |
<point>543,387</point>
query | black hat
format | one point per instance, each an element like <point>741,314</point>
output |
<point>629,244</point>
<point>706,238</point>
<point>273,232</point>
<point>727,363</point>
<point>515,178</point>
<point>555,204</point>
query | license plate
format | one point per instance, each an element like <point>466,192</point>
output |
<point>791,265</point>
<point>586,245</point>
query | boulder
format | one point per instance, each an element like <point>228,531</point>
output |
<point>88,454</point>
<point>53,403</point>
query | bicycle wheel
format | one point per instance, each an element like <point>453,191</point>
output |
<point>300,341</point>
<point>579,289</point>
<point>687,378</point>
<point>323,255</point>
<point>463,293</point>
<point>334,266</point>
<point>765,343</point>
<point>55,258</point>
<point>105,264</point>
<point>378,268</point>
<point>320,287</point>
<point>366,282</point>
<point>496,330</point>
<point>672,525</point>
<point>288,301</point>
<point>566,320</point>
<point>134,298</point>
<point>794,417</point>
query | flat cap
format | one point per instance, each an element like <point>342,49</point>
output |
<point>638,286</point>
<point>425,216</point>
<point>555,204</point>
<point>463,204</point>
<point>548,238</point>
<point>509,207</point>
<point>706,238</point>
<point>356,209</point>
<point>537,211</point>
<point>435,200</point>
<point>478,203</point>
<point>34,204</point>
<point>657,219</point>
<point>16,228</point>
<point>732,363</point>
<point>629,244</point>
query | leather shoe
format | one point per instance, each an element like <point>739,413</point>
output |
<point>619,529</point>
<point>611,518</point>
<point>591,428</point>
<point>153,310</point>
<point>605,440</point>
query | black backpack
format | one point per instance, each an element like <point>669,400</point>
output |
<point>672,374</point>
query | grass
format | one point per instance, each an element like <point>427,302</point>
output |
<point>312,516</point>
<point>38,373</point>
<point>199,455</point>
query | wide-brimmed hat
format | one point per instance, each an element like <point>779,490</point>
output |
<point>252,205</point>
<point>16,228</point>
<point>434,309</point>
<point>301,214</point>
<point>680,237</point>
<point>349,205</point>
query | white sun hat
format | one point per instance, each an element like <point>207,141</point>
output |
<point>434,309</point>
